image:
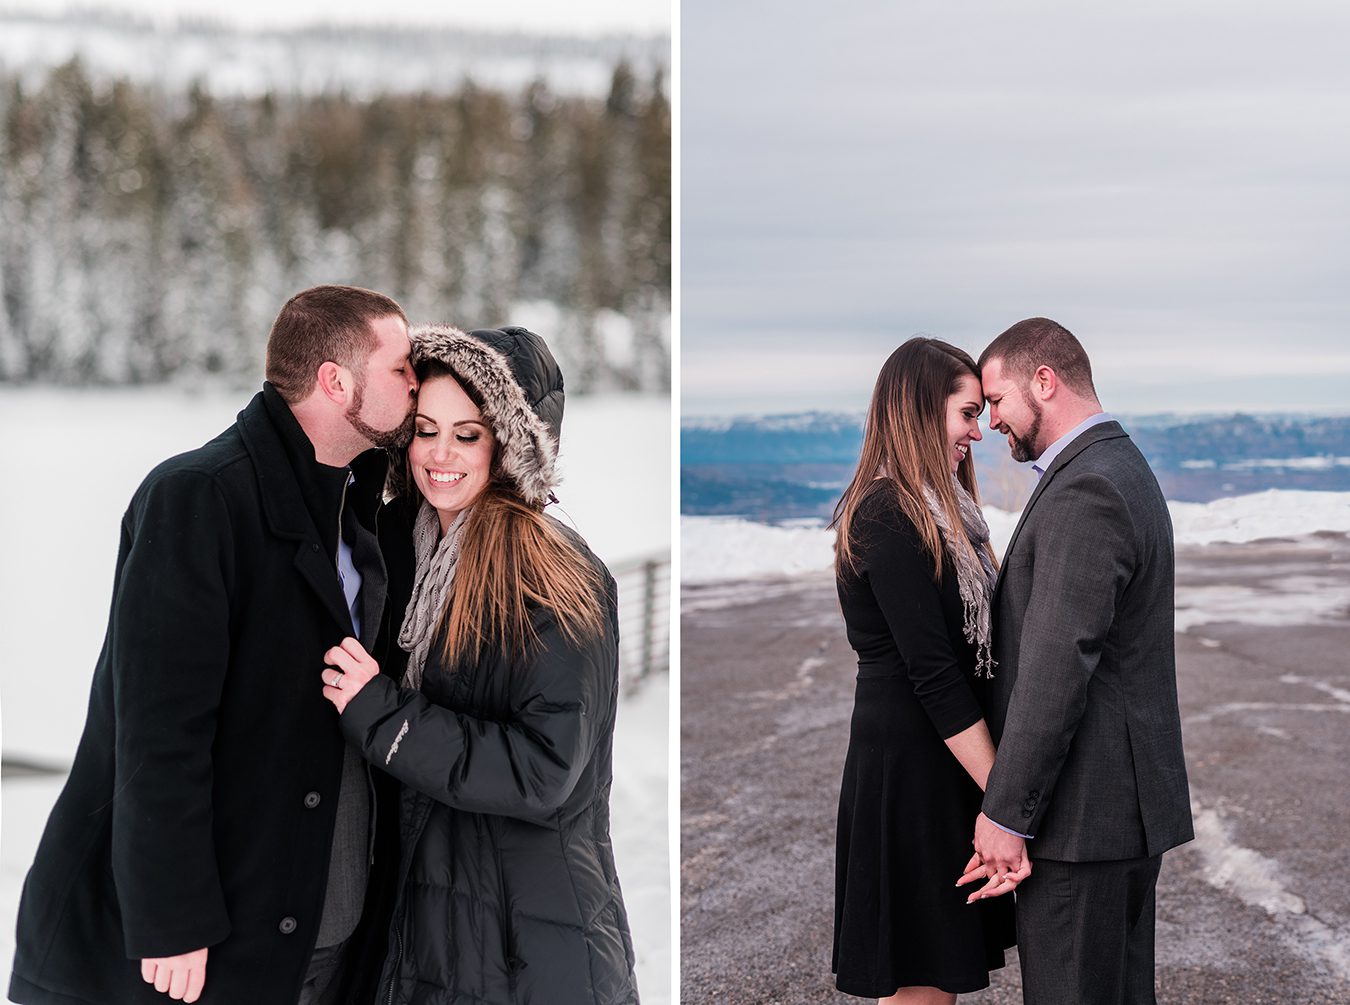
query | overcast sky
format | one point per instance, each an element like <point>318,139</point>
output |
<point>572,17</point>
<point>1169,180</point>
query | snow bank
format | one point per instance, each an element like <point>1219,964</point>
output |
<point>1274,513</point>
<point>716,549</point>
<point>1280,600</point>
<point>639,825</point>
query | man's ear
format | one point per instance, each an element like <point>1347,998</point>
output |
<point>1044,383</point>
<point>335,382</point>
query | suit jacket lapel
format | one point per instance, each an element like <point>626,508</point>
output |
<point>1093,434</point>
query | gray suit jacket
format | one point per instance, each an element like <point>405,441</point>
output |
<point>1084,699</point>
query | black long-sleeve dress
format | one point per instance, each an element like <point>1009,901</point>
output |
<point>906,806</point>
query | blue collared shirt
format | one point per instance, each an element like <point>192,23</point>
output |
<point>1048,455</point>
<point>348,574</point>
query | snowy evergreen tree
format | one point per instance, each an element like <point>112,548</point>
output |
<point>147,234</point>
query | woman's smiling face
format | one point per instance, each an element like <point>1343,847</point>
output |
<point>451,450</point>
<point>963,419</point>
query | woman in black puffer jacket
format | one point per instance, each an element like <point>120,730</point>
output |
<point>500,725</point>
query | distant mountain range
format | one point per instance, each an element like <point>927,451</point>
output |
<point>780,467</point>
<point>358,61</point>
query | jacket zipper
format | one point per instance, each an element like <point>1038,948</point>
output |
<point>401,909</point>
<point>398,962</point>
<point>508,940</point>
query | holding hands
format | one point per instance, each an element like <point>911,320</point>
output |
<point>999,857</point>
<point>349,668</point>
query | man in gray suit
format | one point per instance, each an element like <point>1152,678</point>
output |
<point>1089,782</point>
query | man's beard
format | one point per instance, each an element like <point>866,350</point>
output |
<point>391,439</point>
<point>1024,447</point>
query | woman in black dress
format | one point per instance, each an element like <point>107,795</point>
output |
<point>915,572</point>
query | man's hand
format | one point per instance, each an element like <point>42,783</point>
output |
<point>182,977</point>
<point>999,850</point>
<point>999,856</point>
<point>349,669</point>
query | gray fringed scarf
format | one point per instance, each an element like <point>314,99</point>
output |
<point>435,557</point>
<point>975,578</point>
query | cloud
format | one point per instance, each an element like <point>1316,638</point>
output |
<point>1161,175</point>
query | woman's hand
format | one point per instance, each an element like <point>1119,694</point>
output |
<point>1000,881</point>
<point>180,977</point>
<point>349,668</point>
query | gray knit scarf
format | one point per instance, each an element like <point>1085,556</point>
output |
<point>435,556</point>
<point>975,571</point>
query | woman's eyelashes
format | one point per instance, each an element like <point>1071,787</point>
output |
<point>461,437</point>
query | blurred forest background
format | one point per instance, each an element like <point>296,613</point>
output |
<point>150,231</point>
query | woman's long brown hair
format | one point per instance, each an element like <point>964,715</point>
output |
<point>905,440</point>
<point>513,558</point>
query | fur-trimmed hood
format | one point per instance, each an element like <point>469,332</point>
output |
<point>521,387</point>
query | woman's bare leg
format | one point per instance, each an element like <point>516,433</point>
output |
<point>919,996</point>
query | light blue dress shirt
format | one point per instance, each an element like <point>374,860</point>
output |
<point>1048,455</point>
<point>350,576</point>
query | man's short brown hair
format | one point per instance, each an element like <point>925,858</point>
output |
<point>1038,342</point>
<point>320,324</point>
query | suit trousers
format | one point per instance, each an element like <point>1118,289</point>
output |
<point>1085,932</point>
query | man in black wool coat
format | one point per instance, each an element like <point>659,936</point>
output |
<point>215,839</point>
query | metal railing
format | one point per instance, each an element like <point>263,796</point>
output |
<point>644,637</point>
<point>644,615</point>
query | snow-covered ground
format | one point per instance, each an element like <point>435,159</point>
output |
<point>1274,513</point>
<point>74,460</point>
<point>720,549</point>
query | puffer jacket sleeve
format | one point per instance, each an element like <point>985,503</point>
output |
<point>525,766</point>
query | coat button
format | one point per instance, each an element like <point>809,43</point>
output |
<point>311,800</point>
<point>287,925</point>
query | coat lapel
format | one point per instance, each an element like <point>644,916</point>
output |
<point>1093,434</point>
<point>317,569</point>
<point>285,511</point>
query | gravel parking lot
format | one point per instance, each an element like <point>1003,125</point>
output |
<point>1256,909</point>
